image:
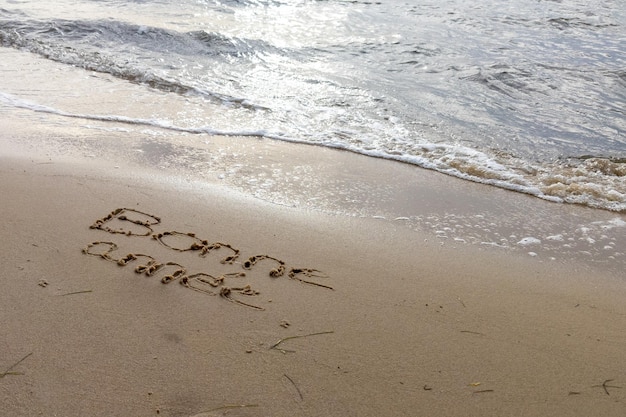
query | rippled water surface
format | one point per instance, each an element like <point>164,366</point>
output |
<point>527,95</point>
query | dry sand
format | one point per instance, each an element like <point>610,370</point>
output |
<point>410,328</point>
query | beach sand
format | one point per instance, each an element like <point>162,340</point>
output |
<point>410,327</point>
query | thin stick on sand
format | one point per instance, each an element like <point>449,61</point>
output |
<point>605,385</point>
<point>275,345</point>
<point>8,371</point>
<point>294,384</point>
<point>482,391</point>
<point>75,292</point>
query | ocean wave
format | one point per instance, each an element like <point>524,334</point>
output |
<point>505,79</point>
<point>82,44</point>
<point>118,35</point>
<point>564,23</point>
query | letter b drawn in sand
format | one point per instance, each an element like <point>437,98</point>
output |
<point>140,223</point>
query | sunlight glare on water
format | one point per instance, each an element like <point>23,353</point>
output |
<point>527,96</point>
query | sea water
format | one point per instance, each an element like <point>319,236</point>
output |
<point>529,96</point>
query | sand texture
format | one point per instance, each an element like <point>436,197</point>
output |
<point>126,296</point>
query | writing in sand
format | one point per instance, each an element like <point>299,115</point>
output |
<point>137,224</point>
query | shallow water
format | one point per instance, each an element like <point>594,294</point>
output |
<point>529,96</point>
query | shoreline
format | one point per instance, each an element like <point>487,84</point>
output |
<point>452,211</point>
<point>410,325</point>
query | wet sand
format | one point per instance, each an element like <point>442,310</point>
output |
<point>388,320</point>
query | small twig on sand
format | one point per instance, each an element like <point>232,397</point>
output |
<point>469,331</point>
<point>8,371</point>
<point>275,345</point>
<point>294,384</point>
<point>75,292</point>
<point>605,385</point>
<point>483,390</point>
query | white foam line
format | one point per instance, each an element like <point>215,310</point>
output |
<point>408,159</point>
